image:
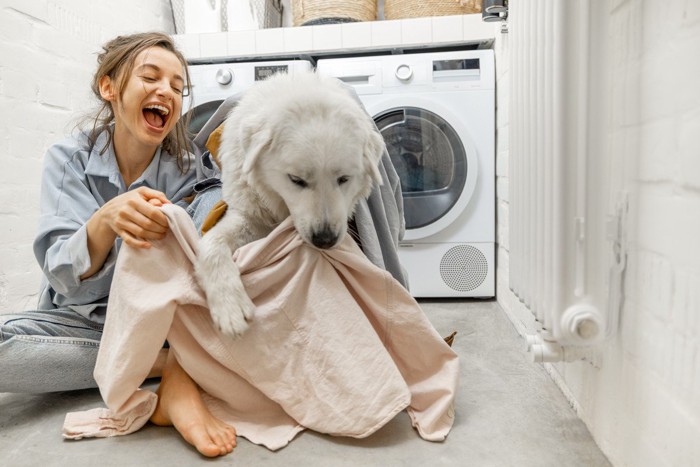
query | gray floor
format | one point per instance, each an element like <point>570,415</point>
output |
<point>509,413</point>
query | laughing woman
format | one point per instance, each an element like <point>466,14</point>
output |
<point>101,188</point>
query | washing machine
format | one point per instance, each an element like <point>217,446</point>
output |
<point>213,83</point>
<point>436,112</point>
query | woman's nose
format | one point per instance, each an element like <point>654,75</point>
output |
<point>164,89</point>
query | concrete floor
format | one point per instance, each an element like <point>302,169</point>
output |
<point>508,413</point>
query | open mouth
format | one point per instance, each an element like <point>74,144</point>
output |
<point>156,115</point>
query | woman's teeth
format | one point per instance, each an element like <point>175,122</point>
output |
<point>156,115</point>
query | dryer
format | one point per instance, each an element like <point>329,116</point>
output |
<point>436,112</point>
<point>213,83</point>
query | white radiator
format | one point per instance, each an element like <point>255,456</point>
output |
<point>553,240</point>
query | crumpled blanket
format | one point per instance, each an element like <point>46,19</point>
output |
<point>337,344</point>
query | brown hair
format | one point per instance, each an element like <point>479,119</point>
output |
<point>117,61</point>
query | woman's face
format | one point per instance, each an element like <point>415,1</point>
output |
<point>151,101</point>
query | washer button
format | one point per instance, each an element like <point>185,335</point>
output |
<point>404,72</point>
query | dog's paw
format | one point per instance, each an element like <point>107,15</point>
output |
<point>231,323</point>
<point>232,317</point>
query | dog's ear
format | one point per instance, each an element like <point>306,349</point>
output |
<point>255,141</point>
<point>373,152</point>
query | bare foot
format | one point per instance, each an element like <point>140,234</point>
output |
<point>181,405</point>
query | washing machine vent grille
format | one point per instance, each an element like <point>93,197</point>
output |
<point>463,268</point>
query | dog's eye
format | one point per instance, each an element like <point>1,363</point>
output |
<point>342,180</point>
<point>298,181</point>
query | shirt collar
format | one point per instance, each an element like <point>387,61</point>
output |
<point>101,165</point>
<point>105,165</point>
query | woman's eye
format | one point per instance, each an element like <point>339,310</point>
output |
<point>298,181</point>
<point>342,180</point>
<point>148,79</point>
<point>177,90</point>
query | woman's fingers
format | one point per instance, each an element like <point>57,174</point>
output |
<point>150,194</point>
<point>143,223</point>
<point>149,213</point>
<point>134,242</point>
<point>150,217</point>
<point>137,218</point>
<point>140,220</point>
<point>136,235</point>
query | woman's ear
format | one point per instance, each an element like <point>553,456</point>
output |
<point>106,88</point>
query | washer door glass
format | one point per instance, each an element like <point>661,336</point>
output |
<point>200,115</point>
<point>430,160</point>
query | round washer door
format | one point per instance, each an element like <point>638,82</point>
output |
<point>435,159</point>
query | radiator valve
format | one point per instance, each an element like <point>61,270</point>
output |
<point>581,324</point>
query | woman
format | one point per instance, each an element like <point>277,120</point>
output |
<point>101,188</point>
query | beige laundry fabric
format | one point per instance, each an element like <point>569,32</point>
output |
<point>337,345</point>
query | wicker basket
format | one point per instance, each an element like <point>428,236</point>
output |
<point>310,12</point>
<point>400,9</point>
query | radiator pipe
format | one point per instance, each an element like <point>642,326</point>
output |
<point>544,349</point>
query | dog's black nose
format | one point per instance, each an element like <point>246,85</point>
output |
<point>324,239</point>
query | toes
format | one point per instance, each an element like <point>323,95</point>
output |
<point>205,445</point>
<point>231,435</point>
<point>212,439</point>
<point>219,439</point>
<point>208,438</point>
<point>212,450</point>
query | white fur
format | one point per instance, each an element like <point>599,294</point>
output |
<point>305,126</point>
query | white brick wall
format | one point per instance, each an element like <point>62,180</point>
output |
<point>641,401</point>
<point>47,51</point>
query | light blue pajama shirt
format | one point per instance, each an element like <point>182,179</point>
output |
<point>54,348</point>
<point>78,180</point>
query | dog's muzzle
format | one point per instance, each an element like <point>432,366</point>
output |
<point>324,239</point>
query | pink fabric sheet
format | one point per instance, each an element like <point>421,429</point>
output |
<point>337,345</point>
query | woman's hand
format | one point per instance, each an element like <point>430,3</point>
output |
<point>135,216</point>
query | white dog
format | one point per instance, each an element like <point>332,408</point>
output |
<point>298,145</point>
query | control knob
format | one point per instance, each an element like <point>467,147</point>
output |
<point>224,76</point>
